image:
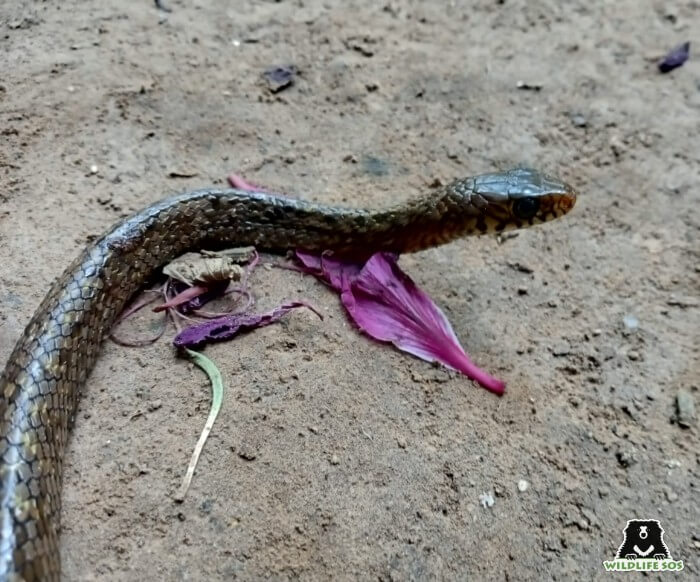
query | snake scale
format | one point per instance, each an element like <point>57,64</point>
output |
<point>40,386</point>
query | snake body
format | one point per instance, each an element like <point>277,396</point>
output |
<point>40,386</point>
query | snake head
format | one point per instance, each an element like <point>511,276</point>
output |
<point>519,197</point>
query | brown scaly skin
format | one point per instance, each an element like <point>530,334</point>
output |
<point>40,386</point>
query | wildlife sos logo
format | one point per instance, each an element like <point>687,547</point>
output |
<point>643,549</point>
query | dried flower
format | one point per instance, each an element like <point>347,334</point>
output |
<point>228,326</point>
<point>675,58</point>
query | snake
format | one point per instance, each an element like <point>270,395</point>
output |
<point>42,381</point>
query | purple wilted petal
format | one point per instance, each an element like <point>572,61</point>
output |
<point>228,326</point>
<point>675,58</point>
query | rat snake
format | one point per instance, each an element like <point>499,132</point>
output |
<point>40,386</point>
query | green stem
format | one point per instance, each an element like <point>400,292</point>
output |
<point>217,390</point>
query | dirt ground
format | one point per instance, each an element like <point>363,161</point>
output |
<point>335,457</point>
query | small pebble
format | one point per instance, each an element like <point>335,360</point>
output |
<point>375,166</point>
<point>522,290</point>
<point>686,409</point>
<point>279,78</point>
<point>630,411</point>
<point>607,353</point>
<point>93,169</point>
<point>670,494</point>
<point>561,349</point>
<point>631,322</point>
<point>335,460</point>
<point>525,86</point>
<point>633,355</point>
<point>626,458</point>
<point>247,453</point>
<point>486,500</point>
<point>617,146</point>
<point>523,485</point>
<point>596,332</point>
<point>401,442</point>
<point>578,120</point>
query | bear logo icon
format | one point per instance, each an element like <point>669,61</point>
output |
<point>644,539</point>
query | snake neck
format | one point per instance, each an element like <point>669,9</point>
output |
<point>428,221</point>
<point>217,218</point>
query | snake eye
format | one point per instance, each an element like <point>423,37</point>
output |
<point>526,208</point>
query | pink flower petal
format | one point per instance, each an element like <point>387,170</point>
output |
<point>228,326</point>
<point>386,304</point>
<point>241,183</point>
<point>183,297</point>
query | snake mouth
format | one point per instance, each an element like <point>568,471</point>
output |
<point>534,210</point>
<point>557,203</point>
<point>565,202</point>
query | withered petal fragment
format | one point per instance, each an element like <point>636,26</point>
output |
<point>189,299</point>
<point>197,268</point>
<point>675,58</point>
<point>214,291</point>
<point>228,326</point>
<point>279,78</point>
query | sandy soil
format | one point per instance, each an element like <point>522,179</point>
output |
<point>334,457</point>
